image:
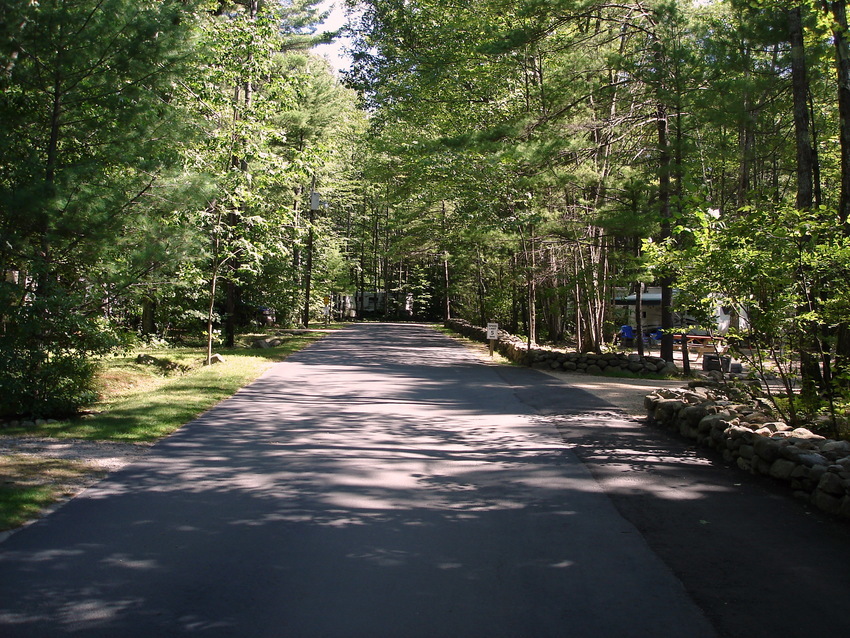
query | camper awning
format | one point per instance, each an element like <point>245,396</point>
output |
<point>647,299</point>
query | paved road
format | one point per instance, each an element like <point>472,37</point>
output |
<point>384,482</point>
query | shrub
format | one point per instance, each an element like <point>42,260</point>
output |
<point>50,350</point>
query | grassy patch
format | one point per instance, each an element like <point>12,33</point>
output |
<point>480,347</point>
<point>139,403</point>
<point>620,373</point>
<point>28,484</point>
<point>142,403</point>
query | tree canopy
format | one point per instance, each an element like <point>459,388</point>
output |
<point>524,162</point>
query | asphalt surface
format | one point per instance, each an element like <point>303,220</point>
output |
<point>386,482</point>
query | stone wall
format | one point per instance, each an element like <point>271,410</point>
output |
<point>516,350</point>
<point>715,414</point>
<point>748,434</point>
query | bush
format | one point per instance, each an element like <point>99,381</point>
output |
<point>50,351</point>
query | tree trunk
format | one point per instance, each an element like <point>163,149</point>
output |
<point>842,64</point>
<point>447,308</point>
<point>639,318</point>
<point>308,271</point>
<point>230,295</point>
<point>447,305</point>
<point>210,312</point>
<point>664,211</point>
<point>294,311</point>
<point>216,250</point>
<point>800,90</point>
<point>531,288</point>
<point>686,356</point>
<point>810,369</point>
<point>482,290</point>
<point>148,312</point>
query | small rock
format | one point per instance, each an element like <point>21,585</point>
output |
<point>836,446</point>
<point>827,502</point>
<point>803,433</point>
<point>782,468</point>
<point>844,463</point>
<point>739,432</point>
<point>717,421</point>
<point>767,449</point>
<point>811,459</point>
<point>831,483</point>
<point>817,471</point>
<point>666,409</point>
<point>800,472</point>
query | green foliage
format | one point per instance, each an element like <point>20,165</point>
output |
<point>159,404</point>
<point>90,179</point>
<point>513,167</point>
<point>87,143</point>
<point>50,351</point>
<point>785,273</point>
<point>539,122</point>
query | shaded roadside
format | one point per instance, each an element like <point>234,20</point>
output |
<point>742,546</point>
<point>381,483</point>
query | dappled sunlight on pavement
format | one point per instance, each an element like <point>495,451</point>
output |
<point>380,483</point>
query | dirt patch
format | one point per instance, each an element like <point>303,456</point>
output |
<point>626,394</point>
<point>100,455</point>
<point>63,476</point>
<point>66,466</point>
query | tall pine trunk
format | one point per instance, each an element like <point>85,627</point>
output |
<point>664,161</point>
<point>808,345</point>
<point>838,11</point>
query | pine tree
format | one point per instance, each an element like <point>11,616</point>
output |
<point>89,136</point>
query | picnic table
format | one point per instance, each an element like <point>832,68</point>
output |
<point>703,344</point>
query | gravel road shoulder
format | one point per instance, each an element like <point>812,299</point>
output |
<point>100,457</point>
<point>625,394</point>
<point>104,456</point>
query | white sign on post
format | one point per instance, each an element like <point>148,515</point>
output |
<point>492,335</point>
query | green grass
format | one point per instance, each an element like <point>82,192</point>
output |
<point>140,404</point>
<point>18,504</point>
<point>28,484</point>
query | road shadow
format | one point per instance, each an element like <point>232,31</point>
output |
<point>386,483</point>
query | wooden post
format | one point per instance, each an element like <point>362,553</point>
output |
<point>492,335</point>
